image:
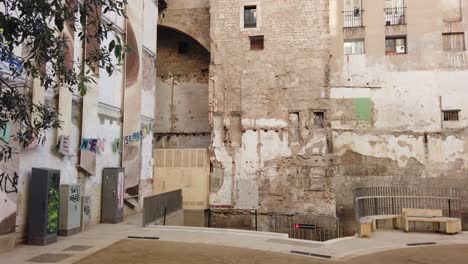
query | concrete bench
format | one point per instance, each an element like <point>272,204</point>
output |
<point>368,224</point>
<point>434,216</point>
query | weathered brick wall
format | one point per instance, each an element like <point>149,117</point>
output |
<point>268,150</point>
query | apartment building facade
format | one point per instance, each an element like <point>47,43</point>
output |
<point>401,68</point>
<point>110,126</point>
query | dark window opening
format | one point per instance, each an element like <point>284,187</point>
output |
<point>250,16</point>
<point>183,47</point>
<point>395,45</point>
<point>257,43</point>
<point>451,115</point>
<point>319,119</point>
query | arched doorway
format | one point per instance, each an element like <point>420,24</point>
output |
<point>182,131</point>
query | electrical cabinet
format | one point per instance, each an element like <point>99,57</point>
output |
<point>43,206</point>
<point>113,188</point>
<point>70,209</point>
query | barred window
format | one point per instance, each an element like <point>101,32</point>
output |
<point>256,42</point>
<point>451,115</point>
<point>454,41</point>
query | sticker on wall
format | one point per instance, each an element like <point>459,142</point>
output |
<point>63,146</point>
<point>93,144</point>
<point>116,145</point>
<point>39,140</point>
<point>5,132</point>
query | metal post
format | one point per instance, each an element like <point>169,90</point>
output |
<point>164,219</point>
<point>256,228</point>
<point>450,208</point>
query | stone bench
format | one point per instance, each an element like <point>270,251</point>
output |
<point>434,216</point>
<point>368,224</point>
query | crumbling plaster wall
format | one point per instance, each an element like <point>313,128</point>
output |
<point>405,141</point>
<point>181,92</point>
<point>268,151</point>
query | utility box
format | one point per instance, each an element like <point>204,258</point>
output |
<point>43,206</point>
<point>70,209</point>
<point>113,188</point>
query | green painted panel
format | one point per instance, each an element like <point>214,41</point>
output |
<point>53,204</point>
<point>363,108</point>
<point>5,132</point>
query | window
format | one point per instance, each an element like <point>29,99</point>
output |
<point>395,45</point>
<point>451,115</point>
<point>395,12</point>
<point>250,16</point>
<point>352,13</point>
<point>256,42</point>
<point>454,41</point>
<point>319,119</point>
<point>183,47</point>
<point>354,47</point>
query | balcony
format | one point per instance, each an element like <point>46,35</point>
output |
<point>395,16</point>
<point>353,18</point>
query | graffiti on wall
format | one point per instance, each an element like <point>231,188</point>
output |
<point>8,195</point>
<point>8,184</point>
<point>40,139</point>
<point>75,194</point>
<point>96,145</point>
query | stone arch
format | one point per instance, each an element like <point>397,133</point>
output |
<point>204,43</point>
<point>194,22</point>
<point>182,111</point>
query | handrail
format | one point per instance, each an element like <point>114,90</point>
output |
<point>374,201</point>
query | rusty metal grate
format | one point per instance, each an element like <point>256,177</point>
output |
<point>451,115</point>
<point>257,42</point>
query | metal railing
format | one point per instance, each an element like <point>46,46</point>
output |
<point>299,226</point>
<point>158,206</point>
<point>242,219</point>
<point>371,201</point>
<point>306,226</point>
<point>353,18</point>
<point>395,16</point>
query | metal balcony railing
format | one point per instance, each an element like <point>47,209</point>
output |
<point>395,16</point>
<point>353,18</point>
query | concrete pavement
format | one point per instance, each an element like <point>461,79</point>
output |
<point>102,235</point>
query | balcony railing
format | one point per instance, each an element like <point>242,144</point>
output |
<point>395,16</point>
<point>353,18</point>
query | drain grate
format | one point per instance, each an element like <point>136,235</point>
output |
<point>421,244</point>
<point>310,254</point>
<point>77,248</point>
<point>49,258</point>
<point>143,237</point>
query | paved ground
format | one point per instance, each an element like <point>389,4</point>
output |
<point>155,252</point>
<point>248,247</point>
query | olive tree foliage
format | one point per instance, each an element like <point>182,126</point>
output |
<point>37,27</point>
